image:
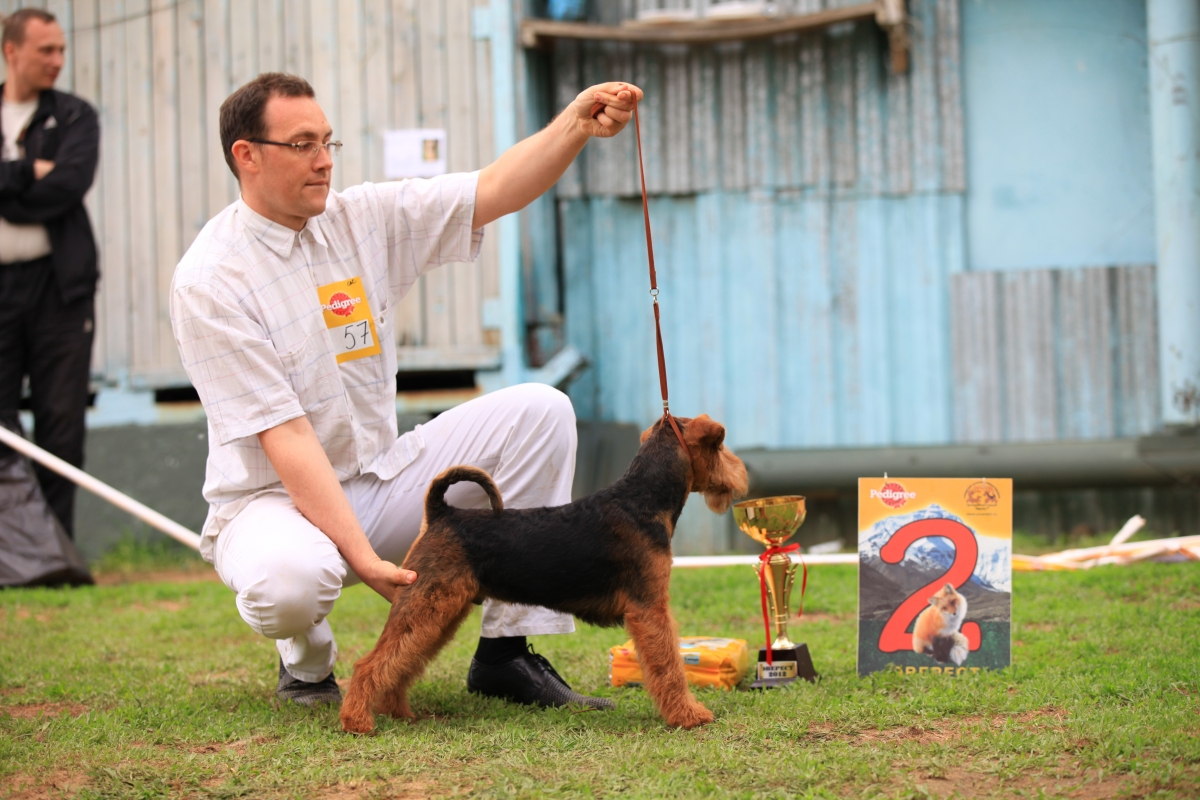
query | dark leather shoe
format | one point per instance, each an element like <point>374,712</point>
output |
<point>528,679</point>
<point>294,690</point>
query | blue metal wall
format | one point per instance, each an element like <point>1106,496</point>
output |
<point>827,270</point>
<point>808,214</point>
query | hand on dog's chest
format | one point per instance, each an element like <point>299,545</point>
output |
<point>348,318</point>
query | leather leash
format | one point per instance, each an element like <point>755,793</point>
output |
<point>662,361</point>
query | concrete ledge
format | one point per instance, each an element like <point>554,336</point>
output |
<point>1149,461</point>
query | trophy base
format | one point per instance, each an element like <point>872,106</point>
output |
<point>789,665</point>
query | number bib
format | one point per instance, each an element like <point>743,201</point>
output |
<point>349,320</point>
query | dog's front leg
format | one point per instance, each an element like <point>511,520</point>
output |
<point>657,641</point>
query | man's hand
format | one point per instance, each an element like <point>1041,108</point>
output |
<point>618,99</point>
<point>385,577</point>
<point>295,452</point>
<point>41,168</point>
<point>531,166</point>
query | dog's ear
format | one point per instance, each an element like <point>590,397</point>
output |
<point>727,480</point>
<point>705,432</point>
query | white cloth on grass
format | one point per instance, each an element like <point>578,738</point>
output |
<point>287,574</point>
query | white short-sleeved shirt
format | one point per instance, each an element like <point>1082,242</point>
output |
<point>254,342</point>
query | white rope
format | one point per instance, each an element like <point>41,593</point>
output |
<point>122,501</point>
<point>727,561</point>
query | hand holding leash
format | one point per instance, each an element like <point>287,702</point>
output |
<point>605,109</point>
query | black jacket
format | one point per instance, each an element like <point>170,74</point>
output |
<point>72,142</point>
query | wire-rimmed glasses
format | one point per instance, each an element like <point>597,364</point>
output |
<point>309,149</point>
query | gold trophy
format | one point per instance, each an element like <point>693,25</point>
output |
<point>772,521</point>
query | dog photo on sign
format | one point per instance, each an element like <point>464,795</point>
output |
<point>935,575</point>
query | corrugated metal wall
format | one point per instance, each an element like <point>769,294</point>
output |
<point>808,213</point>
<point>158,71</point>
<point>1055,354</point>
<point>809,219</point>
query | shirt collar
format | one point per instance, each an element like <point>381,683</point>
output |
<point>279,238</point>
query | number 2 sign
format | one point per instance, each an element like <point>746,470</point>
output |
<point>935,575</point>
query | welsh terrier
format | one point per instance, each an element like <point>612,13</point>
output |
<point>605,558</point>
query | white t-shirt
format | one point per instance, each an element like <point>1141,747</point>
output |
<point>19,242</point>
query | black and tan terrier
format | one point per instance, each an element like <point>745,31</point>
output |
<point>605,558</point>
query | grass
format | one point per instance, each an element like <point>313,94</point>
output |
<point>151,690</point>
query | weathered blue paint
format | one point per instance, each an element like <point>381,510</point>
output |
<point>1058,133</point>
<point>1175,92</point>
<point>800,322</point>
<point>808,213</point>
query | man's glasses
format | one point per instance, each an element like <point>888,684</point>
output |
<point>309,149</point>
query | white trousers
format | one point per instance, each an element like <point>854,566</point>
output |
<point>287,574</point>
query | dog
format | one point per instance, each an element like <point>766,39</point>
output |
<point>605,558</point>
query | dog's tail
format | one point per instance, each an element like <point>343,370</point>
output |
<point>435,498</point>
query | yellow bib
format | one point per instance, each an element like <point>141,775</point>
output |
<point>349,320</point>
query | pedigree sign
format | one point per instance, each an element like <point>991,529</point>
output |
<point>935,575</point>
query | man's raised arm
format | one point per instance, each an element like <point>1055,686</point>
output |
<point>529,168</point>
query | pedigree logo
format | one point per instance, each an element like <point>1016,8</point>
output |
<point>892,495</point>
<point>341,304</point>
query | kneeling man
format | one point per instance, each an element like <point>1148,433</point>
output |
<point>282,312</point>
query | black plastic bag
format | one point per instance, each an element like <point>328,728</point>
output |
<point>34,549</point>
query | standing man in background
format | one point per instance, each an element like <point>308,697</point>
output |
<point>50,145</point>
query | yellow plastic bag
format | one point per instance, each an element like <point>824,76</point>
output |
<point>707,661</point>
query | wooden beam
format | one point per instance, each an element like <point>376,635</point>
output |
<point>535,32</point>
<point>889,14</point>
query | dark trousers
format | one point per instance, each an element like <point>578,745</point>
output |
<point>51,342</point>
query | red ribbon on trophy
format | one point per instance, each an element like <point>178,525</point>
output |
<point>762,585</point>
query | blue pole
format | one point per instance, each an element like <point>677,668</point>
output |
<point>1174,34</point>
<point>504,123</point>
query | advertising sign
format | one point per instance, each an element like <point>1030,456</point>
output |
<point>935,575</point>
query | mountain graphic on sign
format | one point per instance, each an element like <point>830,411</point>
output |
<point>936,553</point>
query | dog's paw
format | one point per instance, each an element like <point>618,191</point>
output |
<point>396,709</point>
<point>357,723</point>
<point>690,717</point>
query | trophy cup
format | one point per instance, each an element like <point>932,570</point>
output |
<point>772,521</point>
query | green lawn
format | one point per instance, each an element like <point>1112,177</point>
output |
<point>159,690</point>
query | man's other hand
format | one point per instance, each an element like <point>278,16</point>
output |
<point>386,578</point>
<point>618,99</point>
<point>41,168</point>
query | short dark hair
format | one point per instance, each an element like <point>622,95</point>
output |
<point>242,111</point>
<point>14,24</point>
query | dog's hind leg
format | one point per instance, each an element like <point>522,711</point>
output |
<point>657,641</point>
<point>394,700</point>
<point>423,618</point>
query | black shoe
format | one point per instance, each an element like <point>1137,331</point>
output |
<point>294,690</point>
<point>527,679</point>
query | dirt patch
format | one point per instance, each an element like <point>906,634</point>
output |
<point>12,690</point>
<point>967,783</point>
<point>159,605</point>
<point>57,784</point>
<point>392,790</point>
<point>934,731</point>
<point>240,746</point>
<point>23,613</point>
<point>218,678</point>
<point>35,710</point>
<point>1035,626</point>
<point>163,576</point>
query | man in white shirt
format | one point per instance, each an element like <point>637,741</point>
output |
<point>282,313</point>
<point>50,147</point>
